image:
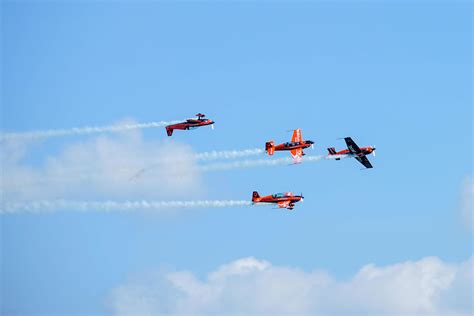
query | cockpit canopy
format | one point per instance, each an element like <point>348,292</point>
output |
<point>278,195</point>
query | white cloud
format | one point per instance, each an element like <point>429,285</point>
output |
<point>467,193</point>
<point>253,287</point>
<point>103,167</point>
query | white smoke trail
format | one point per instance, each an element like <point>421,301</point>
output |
<point>82,130</point>
<point>256,163</point>
<point>239,164</point>
<point>228,154</point>
<point>112,206</point>
<point>203,156</point>
<point>210,155</point>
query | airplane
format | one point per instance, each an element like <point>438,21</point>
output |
<point>284,200</point>
<point>190,124</point>
<point>296,146</point>
<point>353,151</point>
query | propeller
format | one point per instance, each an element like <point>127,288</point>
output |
<point>302,197</point>
<point>373,150</point>
<point>212,126</point>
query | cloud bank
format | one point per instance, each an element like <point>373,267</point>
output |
<point>255,287</point>
<point>100,168</point>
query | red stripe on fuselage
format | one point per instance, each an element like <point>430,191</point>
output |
<point>281,147</point>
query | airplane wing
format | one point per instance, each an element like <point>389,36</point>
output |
<point>352,146</point>
<point>363,160</point>
<point>297,153</point>
<point>283,204</point>
<point>296,136</point>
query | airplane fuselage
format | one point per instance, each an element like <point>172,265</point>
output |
<point>294,145</point>
<point>188,124</point>
<point>364,152</point>
<point>283,200</point>
<point>271,199</point>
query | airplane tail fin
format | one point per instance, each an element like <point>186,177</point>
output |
<point>255,196</point>
<point>270,147</point>
<point>169,130</point>
<point>332,150</point>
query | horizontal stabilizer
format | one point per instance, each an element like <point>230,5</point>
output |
<point>270,147</point>
<point>255,196</point>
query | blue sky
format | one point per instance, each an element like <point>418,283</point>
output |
<point>397,75</point>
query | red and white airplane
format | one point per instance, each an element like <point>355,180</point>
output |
<point>353,151</point>
<point>283,200</point>
<point>296,146</point>
<point>190,124</point>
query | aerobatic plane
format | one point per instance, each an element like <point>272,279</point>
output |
<point>353,151</point>
<point>190,124</point>
<point>296,146</point>
<point>283,200</point>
